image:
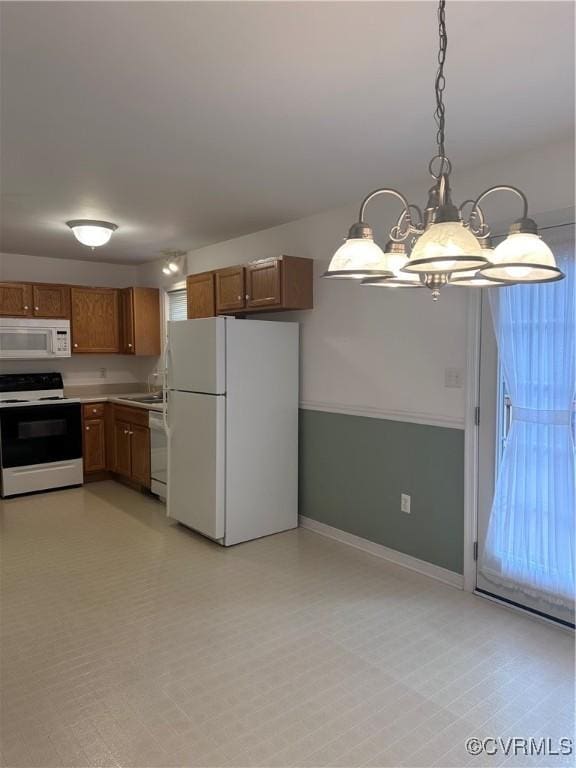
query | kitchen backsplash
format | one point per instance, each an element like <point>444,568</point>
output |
<point>80,370</point>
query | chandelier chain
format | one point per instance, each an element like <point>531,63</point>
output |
<point>440,82</point>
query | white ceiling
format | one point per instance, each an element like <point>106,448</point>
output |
<point>190,123</point>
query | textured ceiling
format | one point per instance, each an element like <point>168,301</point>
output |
<point>190,123</point>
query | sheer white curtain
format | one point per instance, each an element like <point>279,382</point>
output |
<point>530,542</point>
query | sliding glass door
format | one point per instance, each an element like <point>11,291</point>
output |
<point>526,502</point>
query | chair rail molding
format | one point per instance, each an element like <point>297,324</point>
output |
<point>411,417</point>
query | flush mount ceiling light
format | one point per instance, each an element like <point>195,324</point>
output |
<point>92,233</point>
<point>446,246</point>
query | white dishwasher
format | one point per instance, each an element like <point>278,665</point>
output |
<point>158,454</point>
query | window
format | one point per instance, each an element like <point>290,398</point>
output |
<point>177,308</point>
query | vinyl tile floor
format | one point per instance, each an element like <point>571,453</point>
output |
<point>128,640</point>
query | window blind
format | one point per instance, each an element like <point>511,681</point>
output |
<point>177,308</point>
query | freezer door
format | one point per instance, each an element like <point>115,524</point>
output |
<point>196,456</point>
<point>196,355</point>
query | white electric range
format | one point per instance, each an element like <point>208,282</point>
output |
<point>40,434</point>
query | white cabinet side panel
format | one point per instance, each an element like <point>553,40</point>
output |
<point>261,429</point>
<point>196,458</point>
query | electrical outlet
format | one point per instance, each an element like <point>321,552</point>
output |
<point>103,373</point>
<point>453,378</point>
<point>405,503</point>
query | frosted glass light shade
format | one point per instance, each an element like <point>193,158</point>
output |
<point>395,263</point>
<point>446,247</point>
<point>92,233</point>
<point>522,258</point>
<point>357,258</point>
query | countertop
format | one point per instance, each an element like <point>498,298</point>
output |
<point>120,399</point>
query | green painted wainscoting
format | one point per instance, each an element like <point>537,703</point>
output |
<point>353,470</point>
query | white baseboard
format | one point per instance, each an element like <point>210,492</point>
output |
<point>379,550</point>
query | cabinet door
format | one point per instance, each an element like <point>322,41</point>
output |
<point>126,298</point>
<point>146,321</point>
<point>200,295</point>
<point>122,459</point>
<point>95,320</point>
<point>140,449</point>
<point>51,301</point>
<point>15,299</point>
<point>263,283</point>
<point>94,445</point>
<point>230,290</point>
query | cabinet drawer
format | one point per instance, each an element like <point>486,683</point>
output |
<point>131,415</point>
<point>93,410</point>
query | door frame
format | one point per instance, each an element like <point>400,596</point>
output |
<point>471,411</point>
<point>549,219</point>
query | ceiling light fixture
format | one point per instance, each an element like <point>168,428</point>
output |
<point>92,233</point>
<point>173,263</point>
<point>447,247</point>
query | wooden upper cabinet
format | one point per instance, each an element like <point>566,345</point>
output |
<point>95,320</point>
<point>15,299</point>
<point>51,301</point>
<point>230,290</point>
<point>200,295</point>
<point>284,283</point>
<point>263,283</point>
<point>140,312</point>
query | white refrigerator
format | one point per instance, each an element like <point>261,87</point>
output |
<point>232,422</point>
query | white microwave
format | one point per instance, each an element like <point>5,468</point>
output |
<point>32,339</point>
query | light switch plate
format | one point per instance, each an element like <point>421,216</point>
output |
<point>405,503</point>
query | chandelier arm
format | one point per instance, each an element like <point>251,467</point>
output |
<point>402,230</point>
<point>476,212</point>
<point>500,188</point>
<point>385,191</point>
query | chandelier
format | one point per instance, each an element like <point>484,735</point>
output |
<point>445,244</point>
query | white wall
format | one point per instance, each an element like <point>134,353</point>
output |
<point>79,369</point>
<point>379,350</point>
<point>43,269</point>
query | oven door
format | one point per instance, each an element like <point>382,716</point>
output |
<point>26,343</point>
<point>38,434</point>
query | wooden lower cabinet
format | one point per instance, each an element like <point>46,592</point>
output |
<point>94,450</point>
<point>94,446</point>
<point>131,444</point>
<point>116,438</point>
<point>140,454</point>
<point>122,454</point>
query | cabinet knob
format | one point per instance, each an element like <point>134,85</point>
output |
<point>131,433</point>
<point>25,306</point>
<point>87,429</point>
<point>36,309</point>
<point>75,345</point>
<point>94,410</point>
<point>239,298</point>
<point>129,344</point>
<point>126,431</point>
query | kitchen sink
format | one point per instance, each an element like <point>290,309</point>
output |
<point>145,399</point>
